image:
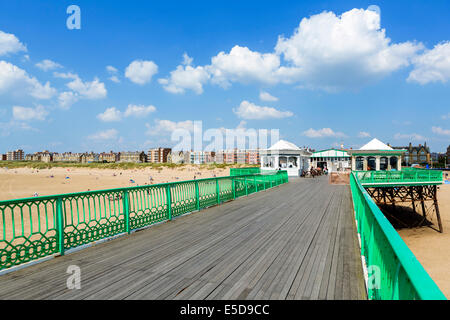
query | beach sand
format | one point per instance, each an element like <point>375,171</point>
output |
<point>24,182</point>
<point>432,248</point>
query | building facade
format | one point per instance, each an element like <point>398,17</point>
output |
<point>331,159</point>
<point>179,157</point>
<point>132,156</point>
<point>16,155</point>
<point>158,155</point>
<point>377,156</point>
<point>285,155</point>
<point>108,157</point>
<point>44,156</point>
<point>416,154</point>
<point>67,157</point>
<point>89,157</point>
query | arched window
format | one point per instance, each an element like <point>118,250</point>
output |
<point>283,162</point>
<point>393,162</point>
<point>371,163</point>
<point>383,163</point>
<point>292,162</point>
<point>359,163</point>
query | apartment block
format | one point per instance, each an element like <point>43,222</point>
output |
<point>252,157</point>
<point>200,157</point>
<point>158,155</point>
<point>17,155</point>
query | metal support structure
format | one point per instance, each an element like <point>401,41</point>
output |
<point>408,194</point>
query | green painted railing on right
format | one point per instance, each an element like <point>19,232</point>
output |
<point>394,271</point>
<point>406,176</point>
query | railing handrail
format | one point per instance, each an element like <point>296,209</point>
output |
<point>406,175</point>
<point>424,285</point>
<point>82,193</point>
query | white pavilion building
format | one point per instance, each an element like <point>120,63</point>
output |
<point>285,155</point>
<point>376,155</point>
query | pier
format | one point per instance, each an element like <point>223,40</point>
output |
<point>295,241</point>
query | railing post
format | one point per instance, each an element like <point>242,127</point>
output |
<point>197,195</point>
<point>60,226</point>
<point>256,185</point>
<point>126,210</point>
<point>169,202</point>
<point>218,191</point>
<point>246,186</point>
<point>233,185</point>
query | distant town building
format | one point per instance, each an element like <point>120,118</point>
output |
<point>108,157</point>
<point>416,154</point>
<point>238,156</point>
<point>89,157</point>
<point>158,155</point>
<point>17,155</point>
<point>252,157</point>
<point>201,157</point>
<point>67,157</point>
<point>3,157</point>
<point>133,156</point>
<point>44,156</point>
<point>179,157</point>
<point>448,154</point>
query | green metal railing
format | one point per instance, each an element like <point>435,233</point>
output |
<point>401,275</point>
<point>244,171</point>
<point>34,228</point>
<point>406,176</point>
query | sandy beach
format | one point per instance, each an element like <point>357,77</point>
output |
<point>24,182</point>
<point>432,248</point>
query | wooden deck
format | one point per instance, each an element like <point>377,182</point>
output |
<point>296,241</point>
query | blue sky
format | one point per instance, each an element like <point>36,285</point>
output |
<point>138,70</point>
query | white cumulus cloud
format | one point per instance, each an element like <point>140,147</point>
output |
<point>140,71</point>
<point>441,131</point>
<point>185,78</point>
<point>161,127</point>
<point>335,52</point>
<point>250,111</point>
<point>9,43</point>
<point>27,114</point>
<point>14,79</point>
<point>47,65</point>
<point>66,99</point>
<point>104,135</point>
<point>432,66</point>
<point>110,115</point>
<point>409,136</point>
<point>139,111</point>
<point>323,133</point>
<point>265,96</point>
<point>363,134</point>
<point>89,90</point>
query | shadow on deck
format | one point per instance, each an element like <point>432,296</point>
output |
<point>296,241</point>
